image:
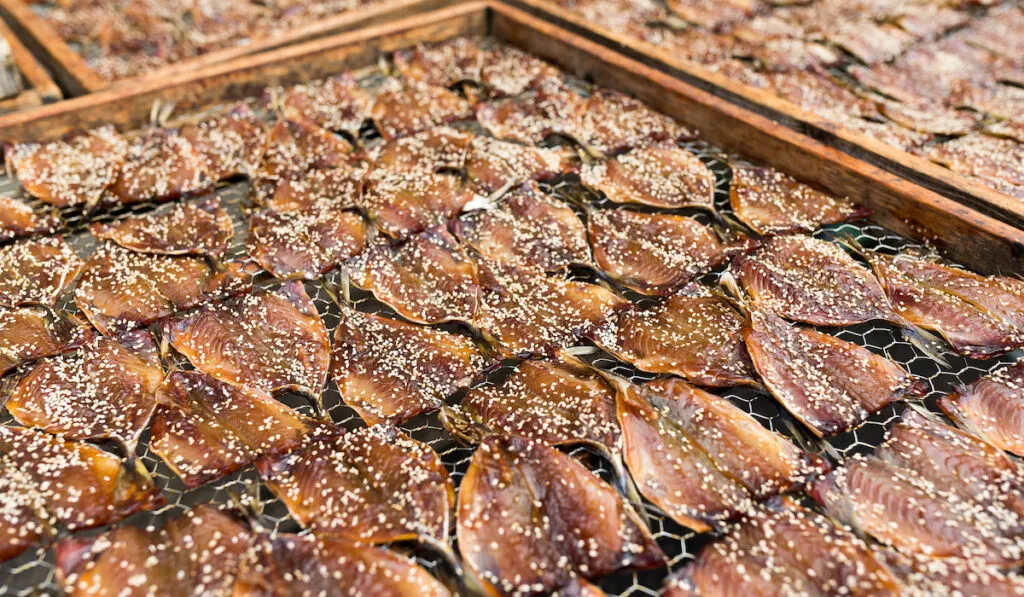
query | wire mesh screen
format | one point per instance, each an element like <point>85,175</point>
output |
<point>33,572</point>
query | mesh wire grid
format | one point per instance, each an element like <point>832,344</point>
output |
<point>33,573</point>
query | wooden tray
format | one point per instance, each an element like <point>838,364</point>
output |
<point>39,87</point>
<point>972,238</point>
<point>77,78</point>
<point>928,174</point>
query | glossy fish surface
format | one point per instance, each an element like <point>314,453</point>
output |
<point>186,229</point>
<point>336,103</point>
<point>18,219</point>
<point>30,333</point>
<point>405,108</point>
<point>992,408</point>
<point>229,145</point>
<point>305,244</point>
<point>159,165</point>
<point>442,64</point>
<point>404,203</point>
<point>491,163</point>
<point>295,147</point>
<point>659,176</point>
<point>36,271</point>
<point>613,122</point>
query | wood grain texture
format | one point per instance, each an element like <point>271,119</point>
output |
<point>39,87</point>
<point>974,239</point>
<point>964,189</point>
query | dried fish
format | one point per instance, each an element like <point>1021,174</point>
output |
<point>30,333</point>
<point>159,165</point>
<point>295,147</point>
<point>23,518</point>
<point>307,243</point>
<point>428,279</point>
<point>662,176</point>
<point>121,290</point>
<point>712,15</point>
<point>436,149</point>
<point>271,341</point>
<point>559,521</point>
<point>106,389</point>
<point>614,122</point>
<point>534,118</point>
<point>229,145</point>
<point>337,103</point>
<point>991,408</point>
<point>805,279</point>
<point>770,202</point>
<point>373,485</point>
<point>443,64</point>
<point>694,334</point>
<point>389,370</point>
<point>491,164</point>
<point>653,253</point>
<point>528,227</point>
<point>404,108</point>
<point>69,173</point>
<point>36,271</point>
<point>508,71</point>
<point>999,161</point>
<point>336,188</point>
<point>205,429</point>
<point>528,313</point>
<point>979,316</point>
<point>18,219</point>
<point>927,118</point>
<point>186,229</point>
<point>403,203</point>
<point>830,384</point>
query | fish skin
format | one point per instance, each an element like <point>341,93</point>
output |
<point>992,408</point>
<point>305,244</point>
<point>442,64</point>
<point>402,203</point>
<point>24,519</point>
<point>30,333</point>
<point>613,122</point>
<point>281,328</point>
<point>373,486</point>
<point>19,220</point>
<point>508,71</point>
<point>558,521</point>
<point>229,145</point>
<point>334,188</point>
<point>658,176</point>
<point>435,149</point>
<point>492,163</point>
<point>160,165</point>
<point>37,271</point>
<point>532,119</point>
<point>293,148</point>
<point>830,384</point>
<point>338,103</point>
<point>188,229</point>
<point>406,108</point>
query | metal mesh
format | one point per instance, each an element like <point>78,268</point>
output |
<point>33,573</point>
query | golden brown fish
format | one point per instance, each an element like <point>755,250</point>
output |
<point>693,334</point>
<point>205,429</point>
<point>121,290</point>
<point>996,160</point>
<point>654,253</point>
<point>36,271</point>
<point>202,228</point>
<point>389,370</point>
<point>295,147</point>
<point>508,70</point>
<point>159,165</point>
<point>272,341</point>
<point>992,408</point>
<point>529,227</point>
<point>660,176</point>
<point>18,219</point>
<point>534,521</point>
<point>830,384</point>
<point>336,188</point>
<point>69,173</point>
<point>491,163</point>
<point>336,103</point>
<point>442,64</point>
<point>770,202</point>
<point>372,485</point>
<point>198,552</point>
<point>106,389</point>
<point>305,244</point>
<point>229,145</point>
<point>805,279</point>
<point>404,108</point>
<point>711,15</point>
<point>527,312</point>
<point>23,519</point>
<point>534,118</point>
<point>30,333</point>
<point>613,122</point>
<point>436,149</point>
<point>428,279</point>
<point>979,316</point>
<point>405,202</point>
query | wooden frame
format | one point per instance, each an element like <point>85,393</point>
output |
<point>75,75</point>
<point>39,87</point>
<point>974,239</point>
<point>924,172</point>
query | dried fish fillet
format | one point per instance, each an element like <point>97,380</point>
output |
<point>30,333</point>
<point>992,408</point>
<point>373,485</point>
<point>552,402</point>
<point>307,243</point>
<point>805,279</point>
<point>36,271</point>
<point>529,227</point>
<point>997,160</point>
<point>391,371</point>
<point>229,145</point>
<point>336,103</point>
<point>285,564</point>
<point>508,70</point>
<point>559,522</point>
<point>186,229</point>
<point>295,147</point>
<point>159,165</point>
<point>18,219</point>
<point>205,429</point>
<point>712,15</point>
<point>614,122</point>
<point>830,384</point>
<point>770,202</point>
<point>529,313</point>
<point>534,118</point>
<point>491,164</point>
<point>403,109</point>
<point>926,118</point>
<point>780,549</point>
<point>403,203</point>
<point>428,279</point>
<point>337,188</point>
<point>272,341</point>
<point>69,173</point>
<point>23,516</point>
<point>442,64</point>
<point>929,492</point>
<point>81,486</point>
<point>196,553</point>
<point>121,290</point>
<point>979,316</point>
<point>667,176</point>
<point>693,334</point>
<point>435,149</point>
<point>653,253</point>
<point>106,389</point>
